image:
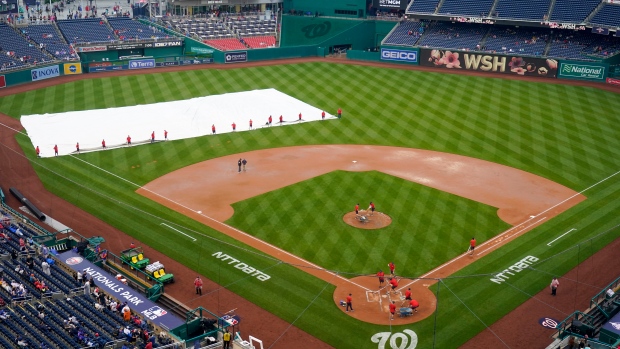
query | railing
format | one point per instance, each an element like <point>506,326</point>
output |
<point>602,300</point>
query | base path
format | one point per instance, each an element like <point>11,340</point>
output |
<point>524,200</point>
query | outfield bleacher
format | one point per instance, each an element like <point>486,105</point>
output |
<point>535,10</point>
<point>524,41</point>
<point>226,44</point>
<point>86,30</point>
<point>55,44</point>
<point>400,35</point>
<point>583,46</point>
<point>573,11</point>
<point>608,15</point>
<point>423,6</point>
<point>260,41</point>
<point>128,29</point>
<point>453,36</point>
<point>12,41</point>
<point>466,7</point>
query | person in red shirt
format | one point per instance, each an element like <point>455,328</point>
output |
<point>269,122</point>
<point>414,305</point>
<point>128,140</point>
<point>394,284</point>
<point>132,245</point>
<point>250,124</point>
<point>213,128</point>
<point>55,149</point>
<point>153,137</point>
<point>165,135</point>
<point>299,116</point>
<point>349,302</point>
<point>281,120</point>
<point>77,147</point>
<point>38,152</point>
<point>103,144</point>
<point>371,208</point>
<point>472,246</point>
<point>339,113</point>
<point>323,115</point>
<point>381,276</point>
<point>408,294</point>
<point>392,268</point>
<point>392,309</point>
<point>198,285</point>
<point>234,127</point>
<point>357,209</point>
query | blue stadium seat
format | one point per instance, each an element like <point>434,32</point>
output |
<point>466,7</point>
<point>400,35</point>
<point>55,44</point>
<point>14,42</point>
<point>127,29</point>
<point>522,9</point>
<point>422,6</point>
<point>609,15</point>
<point>455,36</point>
<point>86,30</point>
<point>522,41</point>
<point>573,11</point>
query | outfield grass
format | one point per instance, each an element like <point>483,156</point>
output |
<point>565,133</point>
<point>429,226</point>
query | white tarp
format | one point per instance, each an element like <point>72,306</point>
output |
<point>182,119</point>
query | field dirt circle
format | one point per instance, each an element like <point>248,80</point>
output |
<point>377,221</point>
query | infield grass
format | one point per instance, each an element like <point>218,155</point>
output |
<point>565,133</point>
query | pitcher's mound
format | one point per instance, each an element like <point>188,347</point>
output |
<point>365,221</point>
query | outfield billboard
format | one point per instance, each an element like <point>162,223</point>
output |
<point>489,63</point>
<point>45,73</point>
<point>72,68</point>
<point>142,64</point>
<point>236,57</point>
<point>407,56</point>
<point>2,81</point>
<point>590,71</point>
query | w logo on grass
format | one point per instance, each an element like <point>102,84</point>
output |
<point>567,68</point>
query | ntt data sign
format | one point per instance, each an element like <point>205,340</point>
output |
<point>45,73</point>
<point>388,54</point>
<point>583,71</point>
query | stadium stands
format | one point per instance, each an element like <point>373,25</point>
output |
<point>583,46</point>
<point>205,29</point>
<point>20,50</point>
<point>423,6</point>
<point>522,9</point>
<point>251,26</point>
<point>53,43</point>
<point>260,41</point>
<point>126,28</point>
<point>522,41</point>
<point>609,15</point>
<point>226,44</point>
<point>573,11</point>
<point>453,36</point>
<point>86,30</point>
<point>401,34</point>
<point>466,7</point>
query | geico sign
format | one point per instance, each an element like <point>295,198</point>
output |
<point>397,55</point>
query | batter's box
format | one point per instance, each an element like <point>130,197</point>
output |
<point>372,296</point>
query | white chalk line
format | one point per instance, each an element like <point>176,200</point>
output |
<point>549,244</point>
<point>510,236</point>
<point>191,237</point>
<point>227,226</point>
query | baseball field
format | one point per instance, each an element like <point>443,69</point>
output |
<point>561,133</point>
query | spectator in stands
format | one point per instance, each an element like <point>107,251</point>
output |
<point>46,268</point>
<point>79,277</point>
<point>4,315</point>
<point>21,341</point>
<point>14,255</point>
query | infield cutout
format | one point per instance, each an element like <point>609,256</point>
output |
<point>365,220</point>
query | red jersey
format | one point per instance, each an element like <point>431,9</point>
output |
<point>408,294</point>
<point>269,118</point>
<point>280,118</point>
<point>234,126</point>
<point>103,143</point>
<point>414,303</point>
<point>153,135</point>
<point>392,267</point>
<point>213,128</point>
<point>323,115</point>
<point>381,275</point>
<point>128,139</point>
<point>250,123</point>
<point>472,242</point>
<point>339,111</point>
<point>299,116</point>
<point>77,146</point>
<point>56,148</point>
<point>394,282</point>
<point>372,205</point>
<point>392,308</point>
<point>357,208</point>
<point>37,150</point>
<point>198,282</point>
<point>349,299</point>
<point>165,134</point>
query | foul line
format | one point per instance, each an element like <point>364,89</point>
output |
<point>191,237</point>
<point>511,236</point>
<point>549,244</point>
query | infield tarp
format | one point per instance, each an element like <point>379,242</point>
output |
<point>108,283</point>
<point>182,119</point>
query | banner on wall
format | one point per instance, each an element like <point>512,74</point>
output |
<point>489,63</point>
<point>142,64</point>
<point>390,54</point>
<point>92,49</point>
<point>583,71</point>
<point>72,68</point>
<point>2,81</point>
<point>45,73</point>
<point>236,57</point>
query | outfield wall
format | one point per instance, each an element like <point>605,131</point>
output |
<point>39,73</point>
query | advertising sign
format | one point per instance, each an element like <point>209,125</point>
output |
<point>388,54</point>
<point>236,57</point>
<point>125,46</point>
<point>201,50</point>
<point>613,81</point>
<point>142,64</point>
<point>135,300</point>
<point>490,63</point>
<point>98,69</point>
<point>391,4</point>
<point>2,81</point>
<point>72,68</point>
<point>583,71</point>
<point>165,44</point>
<point>92,49</point>
<point>45,73</point>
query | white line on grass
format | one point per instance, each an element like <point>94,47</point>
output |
<point>191,237</point>
<point>227,226</point>
<point>549,244</point>
<point>510,236</point>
